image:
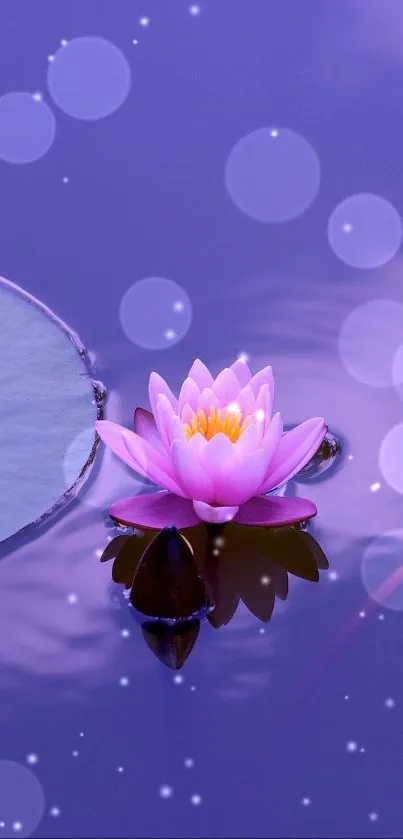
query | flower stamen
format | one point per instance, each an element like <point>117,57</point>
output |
<point>226,421</point>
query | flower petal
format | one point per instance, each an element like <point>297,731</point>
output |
<point>151,463</point>
<point>208,399</point>
<point>263,377</point>
<point>189,395</point>
<point>263,408</point>
<point>294,450</point>
<point>275,511</point>
<point>164,413</point>
<point>214,515</point>
<point>156,386</point>
<point>111,433</point>
<point>198,443</point>
<point>241,371</point>
<point>248,441</point>
<point>145,426</point>
<point>226,387</point>
<point>155,510</point>
<point>218,458</point>
<point>246,401</point>
<point>243,482</point>
<point>200,374</point>
<point>195,481</point>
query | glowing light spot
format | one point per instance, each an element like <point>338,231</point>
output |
<point>150,315</point>
<point>196,800</point>
<point>351,746</point>
<point>374,231</point>
<point>374,487</point>
<point>166,791</point>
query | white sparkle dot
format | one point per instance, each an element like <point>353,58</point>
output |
<point>373,817</point>
<point>51,58</point>
<point>120,769</point>
<point>178,306</point>
<point>178,679</point>
<point>243,356</point>
<point>216,552</point>
<point>2,824</point>
<point>192,687</point>
<point>17,826</point>
<point>350,457</point>
<point>124,681</point>
<point>37,96</point>
<point>166,791</point>
<point>189,762</point>
<point>125,633</point>
<point>55,812</point>
<point>306,802</point>
<point>381,617</point>
<point>144,21</point>
<point>265,581</point>
<point>72,598</point>
<point>98,553</point>
<point>75,753</point>
<point>65,179</point>
<point>233,408</point>
<point>390,703</point>
<point>347,228</point>
<point>194,10</point>
<point>346,696</point>
<point>333,576</point>
<point>81,734</point>
<point>374,487</point>
<point>32,759</point>
<point>262,630</point>
<point>135,41</point>
<point>351,746</point>
<point>362,614</point>
<point>274,132</point>
<point>196,800</point>
<point>170,334</point>
<point>362,750</point>
<point>63,42</point>
<point>260,415</point>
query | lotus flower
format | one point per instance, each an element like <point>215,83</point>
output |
<point>216,451</point>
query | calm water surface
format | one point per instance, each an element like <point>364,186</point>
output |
<point>155,158</point>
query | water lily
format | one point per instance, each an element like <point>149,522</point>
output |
<point>216,451</point>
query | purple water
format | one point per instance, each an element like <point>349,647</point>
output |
<point>138,159</point>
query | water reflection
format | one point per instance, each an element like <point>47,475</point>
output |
<point>174,580</point>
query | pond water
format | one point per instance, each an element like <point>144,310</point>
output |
<point>200,180</point>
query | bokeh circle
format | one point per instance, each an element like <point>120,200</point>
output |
<point>391,458</point>
<point>155,313</point>
<point>365,231</point>
<point>89,78</point>
<point>22,800</point>
<point>369,339</point>
<point>27,128</point>
<point>272,175</point>
<point>382,569</point>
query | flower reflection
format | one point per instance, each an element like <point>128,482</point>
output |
<point>177,579</point>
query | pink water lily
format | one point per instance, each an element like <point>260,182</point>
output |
<point>216,450</point>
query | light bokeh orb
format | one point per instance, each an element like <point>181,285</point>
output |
<point>27,128</point>
<point>365,231</point>
<point>382,569</point>
<point>155,313</point>
<point>370,337</point>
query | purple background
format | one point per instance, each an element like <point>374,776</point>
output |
<point>268,722</point>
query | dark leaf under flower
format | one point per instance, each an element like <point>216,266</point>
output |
<point>172,645</point>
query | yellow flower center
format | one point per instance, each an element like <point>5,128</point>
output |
<point>218,420</point>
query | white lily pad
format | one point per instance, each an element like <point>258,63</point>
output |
<point>48,396</point>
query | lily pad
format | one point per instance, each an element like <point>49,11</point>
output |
<point>48,397</point>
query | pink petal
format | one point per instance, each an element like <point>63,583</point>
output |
<point>164,414</point>
<point>244,480</point>
<point>226,387</point>
<point>208,399</point>
<point>177,430</point>
<point>151,463</point>
<point>195,481</point>
<point>214,515</point>
<point>111,433</point>
<point>200,374</point>
<point>248,441</point>
<point>241,371</point>
<point>189,394</point>
<point>156,386</point>
<point>294,450</point>
<point>273,436</point>
<point>263,377</point>
<point>275,512</point>
<point>263,408</point>
<point>187,414</point>
<point>156,510</point>
<point>218,459</point>
<point>145,427</point>
<point>246,401</point>
<point>198,443</point>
